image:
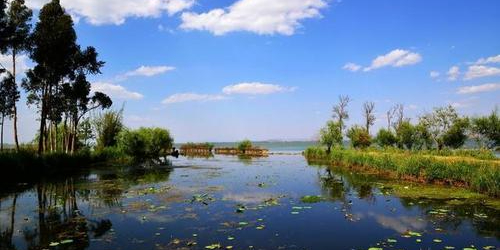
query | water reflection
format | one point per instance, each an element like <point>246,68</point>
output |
<point>59,220</point>
<point>445,215</point>
<point>220,198</point>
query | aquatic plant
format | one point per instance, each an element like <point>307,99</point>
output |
<point>479,175</point>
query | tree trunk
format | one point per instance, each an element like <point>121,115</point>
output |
<point>42,123</point>
<point>12,218</point>
<point>1,134</point>
<point>16,140</point>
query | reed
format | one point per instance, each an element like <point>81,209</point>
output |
<point>476,173</point>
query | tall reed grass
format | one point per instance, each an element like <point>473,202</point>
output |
<point>478,174</point>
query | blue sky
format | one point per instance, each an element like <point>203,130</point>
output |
<point>229,70</point>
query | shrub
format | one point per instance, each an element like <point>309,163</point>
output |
<point>359,137</point>
<point>330,135</point>
<point>145,143</point>
<point>245,145</point>
<point>385,138</point>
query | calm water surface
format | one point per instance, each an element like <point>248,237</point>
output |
<point>227,202</point>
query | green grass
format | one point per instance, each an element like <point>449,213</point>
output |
<point>475,173</point>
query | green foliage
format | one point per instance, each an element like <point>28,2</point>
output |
<point>145,143</point>
<point>455,136</point>
<point>439,122</point>
<point>244,145</point>
<point>3,27</point>
<point>107,126</point>
<point>479,175</point>
<point>9,95</point>
<point>331,134</point>
<point>405,135</point>
<point>487,130</point>
<point>385,138</point>
<point>359,137</point>
<point>422,137</point>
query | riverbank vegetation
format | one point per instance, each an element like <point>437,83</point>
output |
<point>244,148</point>
<point>429,150</point>
<point>77,128</point>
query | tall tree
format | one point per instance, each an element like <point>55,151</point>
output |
<point>390,115</point>
<point>18,31</point>
<point>368,113</point>
<point>3,26</point>
<point>54,47</point>
<point>340,112</point>
<point>330,135</point>
<point>9,95</point>
<point>439,122</point>
<point>486,130</point>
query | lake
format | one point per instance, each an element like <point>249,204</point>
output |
<point>224,202</point>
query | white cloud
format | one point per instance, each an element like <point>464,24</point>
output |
<point>21,63</point>
<point>192,97</point>
<point>263,17</point>
<point>491,59</point>
<point>478,71</point>
<point>116,91</point>
<point>150,71</point>
<point>395,58</point>
<point>488,87</point>
<point>351,67</point>
<point>99,12</point>
<point>453,73</point>
<point>434,74</point>
<point>255,88</point>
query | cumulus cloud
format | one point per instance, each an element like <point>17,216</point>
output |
<point>192,97</point>
<point>352,67</point>
<point>453,73</point>
<point>259,16</point>
<point>434,74</point>
<point>116,91</point>
<point>150,71</point>
<point>21,63</point>
<point>255,88</point>
<point>395,58</point>
<point>491,59</point>
<point>478,71</point>
<point>99,12</point>
<point>488,87</point>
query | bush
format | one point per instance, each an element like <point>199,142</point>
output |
<point>455,137</point>
<point>385,138</point>
<point>405,134</point>
<point>145,143</point>
<point>244,145</point>
<point>359,137</point>
<point>330,135</point>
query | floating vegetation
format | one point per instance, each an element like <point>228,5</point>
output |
<point>311,199</point>
<point>202,198</point>
<point>213,246</point>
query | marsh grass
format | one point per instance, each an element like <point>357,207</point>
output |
<point>457,170</point>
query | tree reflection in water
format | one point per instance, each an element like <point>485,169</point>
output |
<point>58,217</point>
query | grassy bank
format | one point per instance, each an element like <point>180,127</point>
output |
<point>456,169</point>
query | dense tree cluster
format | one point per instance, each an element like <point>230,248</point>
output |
<point>145,143</point>
<point>442,128</point>
<point>57,85</point>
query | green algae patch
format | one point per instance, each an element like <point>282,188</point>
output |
<point>311,199</point>
<point>453,196</point>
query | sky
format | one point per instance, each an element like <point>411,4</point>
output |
<point>229,70</point>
